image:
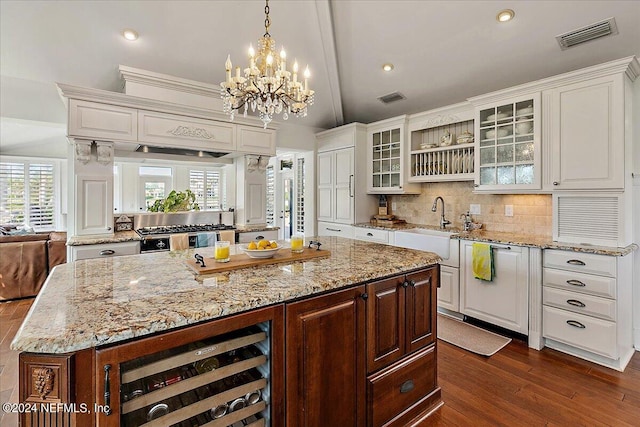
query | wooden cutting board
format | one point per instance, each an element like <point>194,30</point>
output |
<point>244,261</point>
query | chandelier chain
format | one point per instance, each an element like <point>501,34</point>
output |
<point>267,21</point>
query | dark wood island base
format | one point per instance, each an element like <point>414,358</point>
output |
<point>356,353</point>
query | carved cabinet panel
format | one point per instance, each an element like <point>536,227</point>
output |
<point>179,131</point>
<point>45,384</point>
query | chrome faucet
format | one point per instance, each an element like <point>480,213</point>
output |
<point>443,221</point>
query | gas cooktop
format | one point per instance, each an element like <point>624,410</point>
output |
<point>172,229</point>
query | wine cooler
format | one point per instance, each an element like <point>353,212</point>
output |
<point>220,381</point>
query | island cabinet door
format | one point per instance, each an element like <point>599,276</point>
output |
<point>385,322</point>
<point>220,372</point>
<point>420,310</point>
<point>325,369</point>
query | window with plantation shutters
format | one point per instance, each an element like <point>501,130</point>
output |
<point>299,185</point>
<point>271,196</point>
<point>207,185</point>
<point>27,194</point>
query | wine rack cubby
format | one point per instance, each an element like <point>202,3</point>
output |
<point>221,381</point>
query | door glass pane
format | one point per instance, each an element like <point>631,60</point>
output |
<point>386,181</point>
<point>487,176</point>
<point>395,135</point>
<point>487,156</point>
<point>376,139</point>
<point>376,180</point>
<point>524,174</point>
<point>524,152</point>
<point>506,175</point>
<point>386,137</point>
<point>505,154</point>
<point>395,180</point>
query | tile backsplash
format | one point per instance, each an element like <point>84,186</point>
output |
<point>532,213</point>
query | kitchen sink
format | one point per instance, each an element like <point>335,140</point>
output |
<point>438,241</point>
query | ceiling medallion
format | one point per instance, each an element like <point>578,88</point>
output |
<point>266,85</point>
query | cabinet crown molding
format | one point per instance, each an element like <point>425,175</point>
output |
<point>628,66</point>
<point>67,91</point>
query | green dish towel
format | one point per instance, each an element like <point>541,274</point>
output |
<point>482,261</point>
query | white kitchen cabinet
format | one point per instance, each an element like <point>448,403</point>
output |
<point>388,171</point>
<point>105,250</point>
<point>340,176</point>
<point>102,121</point>
<point>254,140</point>
<point>504,301</point>
<point>336,192</point>
<point>507,145</point>
<point>587,306</point>
<point>585,135</point>
<point>94,204</point>
<point>335,229</point>
<point>171,130</point>
<point>449,290</point>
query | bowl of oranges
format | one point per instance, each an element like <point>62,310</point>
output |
<point>261,249</point>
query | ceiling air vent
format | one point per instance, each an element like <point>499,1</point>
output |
<point>392,97</point>
<point>596,30</point>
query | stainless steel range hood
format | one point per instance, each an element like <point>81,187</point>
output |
<point>180,152</point>
<point>141,153</point>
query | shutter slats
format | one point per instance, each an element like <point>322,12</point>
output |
<point>589,219</point>
<point>206,185</point>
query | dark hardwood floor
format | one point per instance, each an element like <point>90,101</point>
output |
<point>11,316</point>
<point>515,387</point>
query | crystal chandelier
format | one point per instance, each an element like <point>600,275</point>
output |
<point>266,85</point>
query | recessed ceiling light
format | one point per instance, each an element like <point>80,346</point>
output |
<point>505,15</point>
<point>130,35</point>
<point>387,67</point>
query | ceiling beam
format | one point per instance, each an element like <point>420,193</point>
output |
<point>325,24</point>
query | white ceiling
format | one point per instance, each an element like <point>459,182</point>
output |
<point>443,51</point>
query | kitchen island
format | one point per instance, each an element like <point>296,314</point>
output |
<point>368,310</point>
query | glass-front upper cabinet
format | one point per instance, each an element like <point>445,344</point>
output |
<point>507,151</point>
<point>387,175</point>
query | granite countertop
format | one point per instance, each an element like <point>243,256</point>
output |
<point>118,237</point>
<point>404,226</point>
<point>95,302</point>
<point>542,242</point>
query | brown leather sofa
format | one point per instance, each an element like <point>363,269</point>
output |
<point>26,260</point>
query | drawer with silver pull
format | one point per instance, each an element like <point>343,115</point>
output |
<point>106,250</point>
<point>335,229</point>
<point>580,303</point>
<point>580,282</point>
<point>581,262</point>
<point>584,332</point>
<point>371,235</point>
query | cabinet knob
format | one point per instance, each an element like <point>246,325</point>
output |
<point>555,182</point>
<point>364,296</point>
<point>412,282</point>
<point>476,185</point>
<point>405,284</point>
<point>109,228</point>
<point>106,252</point>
